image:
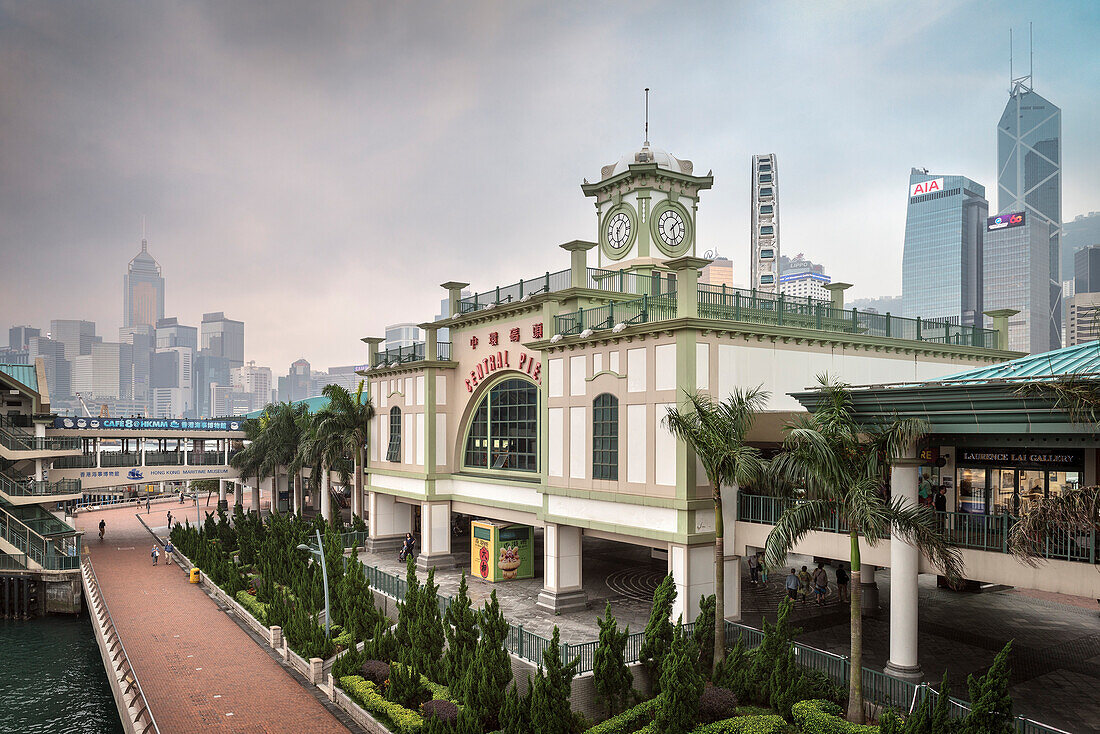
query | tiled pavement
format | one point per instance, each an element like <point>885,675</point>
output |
<point>199,670</point>
<point>1056,641</point>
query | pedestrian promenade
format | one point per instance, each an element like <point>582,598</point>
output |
<point>199,670</point>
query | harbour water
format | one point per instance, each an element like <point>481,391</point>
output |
<point>52,678</point>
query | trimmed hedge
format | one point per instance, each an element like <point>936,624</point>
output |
<point>253,606</point>
<point>628,721</point>
<point>823,717</point>
<point>766,724</point>
<point>396,718</point>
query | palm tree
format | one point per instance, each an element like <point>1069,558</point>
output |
<point>345,420</point>
<point>281,436</point>
<point>716,432</point>
<point>842,466</point>
<point>322,451</point>
<point>249,460</point>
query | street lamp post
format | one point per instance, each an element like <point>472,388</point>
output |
<point>320,551</point>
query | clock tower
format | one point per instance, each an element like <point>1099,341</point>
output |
<point>645,210</point>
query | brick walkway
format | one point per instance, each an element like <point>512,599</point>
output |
<point>199,670</point>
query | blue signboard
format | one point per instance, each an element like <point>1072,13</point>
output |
<point>149,424</point>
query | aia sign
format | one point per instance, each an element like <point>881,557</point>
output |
<point>1004,221</point>
<point>926,187</point>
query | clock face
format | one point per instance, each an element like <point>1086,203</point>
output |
<point>618,231</point>
<point>670,226</point>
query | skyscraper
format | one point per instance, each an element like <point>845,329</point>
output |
<point>1083,231</point>
<point>142,290</point>
<point>1029,180</point>
<point>77,336</point>
<point>941,266</point>
<point>1017,275</point>
<point>222,337</point>
<point>19,337</point>
<point>765,224</point>
<point>1086,270</point>
<point>171,333</point>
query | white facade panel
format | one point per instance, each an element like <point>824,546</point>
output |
<point>613,513</point>
<point>485,493</point>
<point>556,379</point>
<point>636,454</point>
<point>555,438</point>
<point>664,449</point>
<point>635,370</point>
<point>613,362</point>
<point>440,439</point>
<point>441,389</point>
<point>702,366</point>
<point>577,454</point>
<point>420,389</point>
<point>576,375</point>
<point>420,439</point>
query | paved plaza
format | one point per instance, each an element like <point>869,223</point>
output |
<point>200,671</point>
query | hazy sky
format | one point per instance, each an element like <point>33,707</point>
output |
<point>317,169</point>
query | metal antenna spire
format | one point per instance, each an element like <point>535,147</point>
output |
<point>1031,53</point>
<point>1011,73</point>
<point>647,117</point>
<point>143,244</point>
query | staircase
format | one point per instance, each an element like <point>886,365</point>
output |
<point>43,541</point>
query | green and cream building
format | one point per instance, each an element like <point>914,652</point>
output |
<point>546,405</point>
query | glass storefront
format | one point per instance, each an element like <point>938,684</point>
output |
<point>1010,481</point>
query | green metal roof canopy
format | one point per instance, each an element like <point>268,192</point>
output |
<point>983,401</point>
<point>24,374</point>
<point>314,404</point>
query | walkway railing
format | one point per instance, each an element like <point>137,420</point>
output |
<point>133,697</point>
<point>162,458</point>
<point>416,352</point>
<point>638,311</point>
<point>117,458</point>
<point>84,461</point>
<point>54,545</point>
<point>37,487</point>
<point>964,529</point>
<point>16,438</point>
<point>738,304</point>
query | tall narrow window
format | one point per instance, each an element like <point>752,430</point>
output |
<point>504,428</point>
<point>605,437</point>
<point>394,451</point>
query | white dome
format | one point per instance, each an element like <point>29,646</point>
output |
<point>662,158</point>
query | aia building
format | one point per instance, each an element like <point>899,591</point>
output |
<point>941,272</point>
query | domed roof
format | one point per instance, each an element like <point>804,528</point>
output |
<point>662,158</point>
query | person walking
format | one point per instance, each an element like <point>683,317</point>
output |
<point>821,584</point>
<point>155,553</point>
<point>148,504</point>
<point>842,583</point>
<point>102,527</point>
<point>754,569</point>
<point>941,500</point>
<point>169,549</point>
<point>169,521</point>
<point>803,584</point>
<point>792,585</point>
<point>763,570</point>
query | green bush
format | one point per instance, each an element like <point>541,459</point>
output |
<point>818,716</point>
<point>628,721</point>
<point>253,606</point>
<point>405,687</point>
<point>765,724</point>
<point>396,718</point>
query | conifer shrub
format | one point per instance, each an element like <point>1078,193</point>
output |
<point>681,686</point>
<point>515,714</point>
<point>703,634</point>
<point>990,702</point>
<point>658,631</point>
<point>460,632</point>
<point>405,687</point>
<point>613,679</point>
<point>488,678</point>
<point>628,721</point>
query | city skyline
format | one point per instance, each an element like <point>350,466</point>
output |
<point>253,192</point>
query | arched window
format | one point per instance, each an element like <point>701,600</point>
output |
<point>605,437</point>
<point>504,428</point>
<point>394,451</point>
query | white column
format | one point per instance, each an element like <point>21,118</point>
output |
<point>904,566</point>
<point>692,568</point>
<point>387,520</point>
<point>733,587</point>
<point>326,499</point>
<point>435,536</point>
<point>256,497</point>
<point>221,493</point>
<point>562,587</point>
<point>297,479</point>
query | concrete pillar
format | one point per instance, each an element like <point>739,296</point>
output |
<point>435,536</point>
<point>1000,324</point>
<point>687,284</point>
<point>562,588</point>
<point>256,497</point>
<point>222,503</point>
<point>297,509</point>
<point>238,493</point>
<point>578,261</point>
<point>692,568</point>
<point>387,520</point>
<point>326,496</point>
<point>904,565</point>
<point>836,294</point>
<point>454,295</point>
<point>868,601</point>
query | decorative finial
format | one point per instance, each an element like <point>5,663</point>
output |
<point>647,117</point>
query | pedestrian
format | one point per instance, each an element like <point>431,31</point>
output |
<point>763,570</point>
<point>155,553</point>
<point>803,584</point>
<point>181,496</point>
<point>148,504</point>
<point>169,521</point>
<point>821,584</point>
<point>169,549</point>
<point>924,492</point>
<point>941,500</point>
<point>842,583</point>
<point>792,585</point>
<point>754,569</point>
<point>102,527</point>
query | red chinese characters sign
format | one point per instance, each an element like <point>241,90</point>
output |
<point>503,360</point>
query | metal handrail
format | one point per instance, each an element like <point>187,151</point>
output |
<point>17,438</point>
<point>37,487</point>
<point>98,603</point>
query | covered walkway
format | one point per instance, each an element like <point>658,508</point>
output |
<point>199,670</point>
